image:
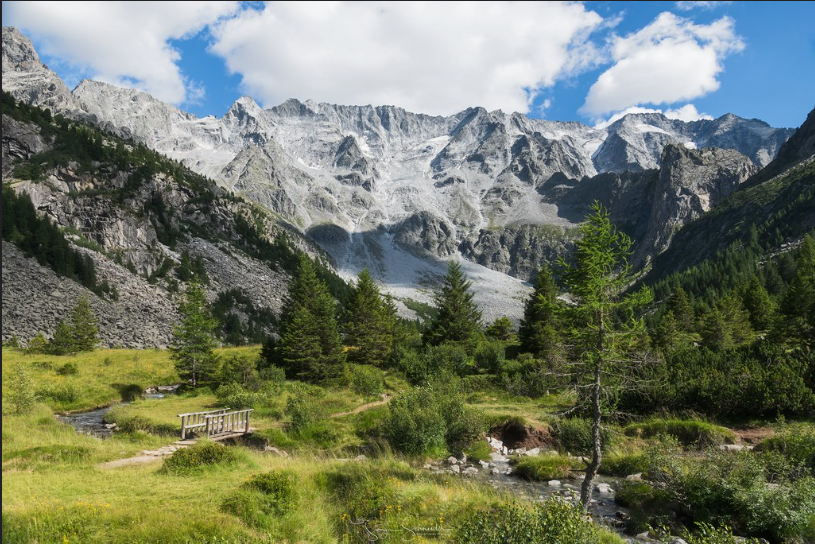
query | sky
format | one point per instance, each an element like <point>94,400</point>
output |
<point>568,61</point>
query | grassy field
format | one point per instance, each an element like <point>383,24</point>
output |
<point>54,489</point>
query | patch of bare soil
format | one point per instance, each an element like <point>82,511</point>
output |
<point>514,435</point>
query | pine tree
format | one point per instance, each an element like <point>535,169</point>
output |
<point>63,341</point>
<point>798,304</point>
<point>194,339</point>
<point>367,324</point>
<point>501,329</point>
<point>758,304</point>
<point>538,330</point>
<point>459,319</point>
<point>601,342</point>
<point>310,348</point>
<point>83,324</point>
<point>682,311</point>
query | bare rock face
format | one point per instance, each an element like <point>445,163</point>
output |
<point>690,183</point>
<point>28,79</point>
<point>20,141</point>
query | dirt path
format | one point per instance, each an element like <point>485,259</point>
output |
<point>358,409</point>
<point>148,455</point>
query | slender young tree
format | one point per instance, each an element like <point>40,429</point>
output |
<point>194,339</point>
<point>310,348</point>
<point>602,330</point>
<point>367,324</point>
<point>459,319</point>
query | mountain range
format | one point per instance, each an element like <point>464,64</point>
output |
<point>400,193</point>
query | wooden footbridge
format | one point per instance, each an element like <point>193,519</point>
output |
<point>215,425</point>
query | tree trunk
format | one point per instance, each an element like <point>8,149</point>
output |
<point>591,470</point>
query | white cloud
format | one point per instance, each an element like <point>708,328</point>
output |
<point>429,57</point>
<point>124,43</point>
<point>686,113</point>
<point>687,5</point>
<point>670,60</point>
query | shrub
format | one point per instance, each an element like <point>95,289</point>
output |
<point>553,522</point>
<point>235,396</point>
<point>796,443</point>
<point>367,380</point>
<point>490,356</point>
<point>38,344</point>
<point>688,432</point>
<point>575,436</point>
<point>273,374</point>
<point>479,451</point>
<point>414,424</point>
<point>202,454</point>
<point>20,397</point>
<point>302,409</point>
<point>546,467</point>
<point>465,425</point>
<point>62,392</point>
<point>130,392</point>
<point>68,369</point>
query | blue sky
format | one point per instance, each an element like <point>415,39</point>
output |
<point>564,61</point>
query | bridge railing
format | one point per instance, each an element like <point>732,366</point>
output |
<point>215,422</point>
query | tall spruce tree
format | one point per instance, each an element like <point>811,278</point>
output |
<point>194,339</point>
<point>63,342</point>
<point>310,348</point>
<point>459,319</point>
<point>538,330</point>
<point>367,324</point>
<point>601,342</point>
<point>83,324</point>
<point>798,305</point>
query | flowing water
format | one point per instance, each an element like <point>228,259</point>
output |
<point>92,422</point>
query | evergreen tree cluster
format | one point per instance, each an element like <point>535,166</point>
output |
<point>78,332</point>
<point>38,237</point>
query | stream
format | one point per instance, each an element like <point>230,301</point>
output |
<point>92,421</point>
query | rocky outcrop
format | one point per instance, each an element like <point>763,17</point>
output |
<point>690,183</point>
<point>20,141</point>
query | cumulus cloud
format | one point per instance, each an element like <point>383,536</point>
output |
<point>430,57</point>
<point>686,113</point>
<point>670,60</point>
<point>687,5</point>
<point>124,43</point>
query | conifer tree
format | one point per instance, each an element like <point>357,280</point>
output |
<point>758,304</point>
<point>538,330</point>
<point>83,325</point>
<point>367,324</point>
<point>459,319</point>
<point>798,304</point>
<point>310,348</point>
<point>194,339</point>
<point>501,329</point>
<point>63,341</point>
<point>601,342</point>
<point>682,311</point>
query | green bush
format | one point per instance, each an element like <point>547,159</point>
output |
<point>553,522</point>
<point>68,369</point>
<point>575,436</point>
<point>367,380</point>
<point>414,423</point>
<point>688,432</point>
<point>302,409</point>
<point>479,451</point>
<point>63,392</point>
<point>236,397</point>
<point>546,467</point>
<point>796,443</point>
<point>489,356</point>
<point>21,396</point>
<point>273,374</point>
<point>198,456</point>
